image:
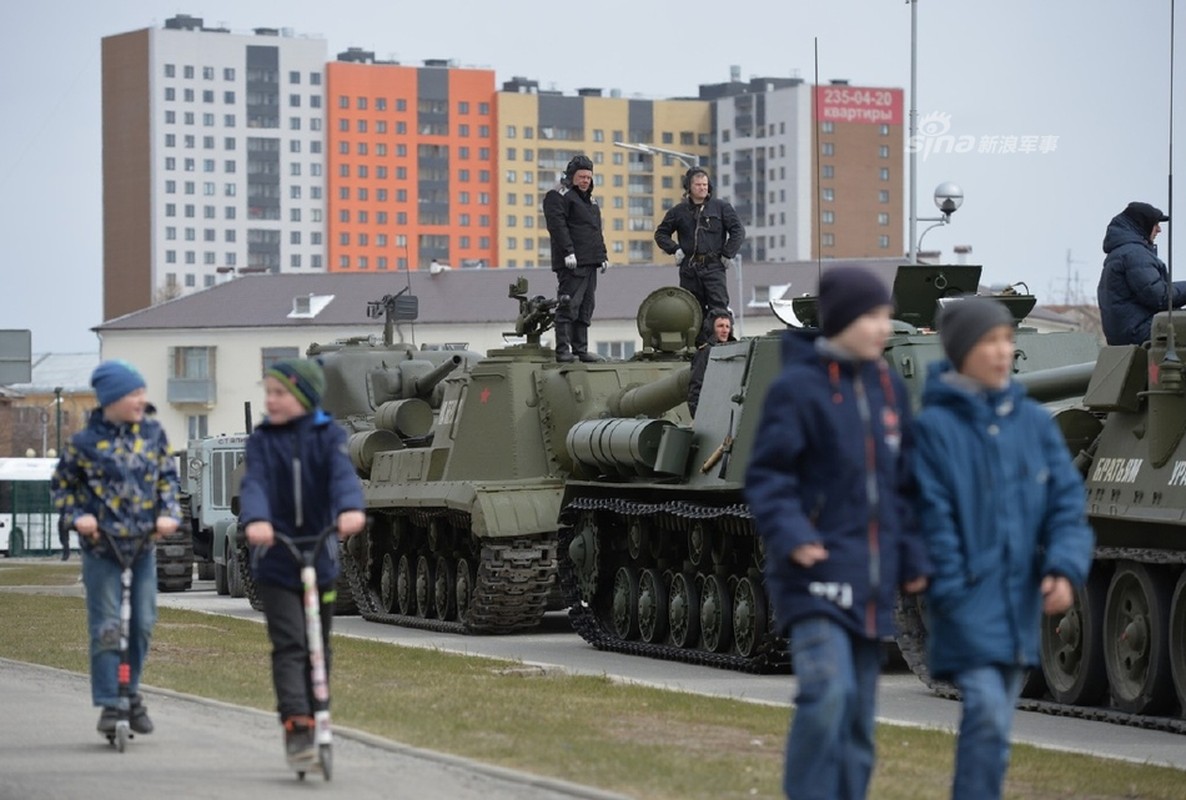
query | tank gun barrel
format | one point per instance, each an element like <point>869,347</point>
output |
<point>653,399</point>
<point>423,386</point>
<point>1057,383</point>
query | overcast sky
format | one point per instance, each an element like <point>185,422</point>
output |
<point>1089,78</point>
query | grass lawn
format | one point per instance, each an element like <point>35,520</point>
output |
<point>647,743</point>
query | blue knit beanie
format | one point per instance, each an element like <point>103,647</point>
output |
<point>302,377</point>
<point>114,379</point>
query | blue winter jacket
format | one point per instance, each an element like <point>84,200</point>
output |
<point>328,487</point>
<point>1000,506</point>
<point>829,468</point>
<point>1133,284</point>
<point>124,474</point>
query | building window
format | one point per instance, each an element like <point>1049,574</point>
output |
<point>883,242</point>
<point>883,218</point>
<point>829,171</point>
<point>828,240</point>
<point>827,127</point>
<point>883,173</point>
<point>828,149</point>
<point>511,132</point>
<point>883,151</point>
<point>884,130</point>
<point>617,350</point>
<point>883,196</point>
<point>828,217</point>
<point>829,195</point>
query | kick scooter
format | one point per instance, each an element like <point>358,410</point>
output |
<point>322,733</point>
<point>123,726</point>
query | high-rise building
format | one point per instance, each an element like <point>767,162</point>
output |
<point>410,164</point>
<point>540,131</point>
<point>842,199</point>
<point>212,158</point>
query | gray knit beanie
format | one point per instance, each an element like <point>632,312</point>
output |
<point>964,321</point>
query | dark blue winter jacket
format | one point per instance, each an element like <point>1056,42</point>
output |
<point>829,466</point>
<point>1000,506</point>
<point>328,486</point>
<point>1133,284</point>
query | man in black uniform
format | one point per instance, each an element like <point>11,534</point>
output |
<point>578,251</point>
<point>708,235</point>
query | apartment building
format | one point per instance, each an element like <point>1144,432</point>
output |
<point>410,164</point>
<point>212,158</point>
<point>813,171</point>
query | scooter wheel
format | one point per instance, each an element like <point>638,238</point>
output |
<point>325,754</point>
<point>300,776</point>
<point>121,738</point>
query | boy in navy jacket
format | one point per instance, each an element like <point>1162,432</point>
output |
<point>296,439</point>
<point>1002,510</point>
<point>826,486</point>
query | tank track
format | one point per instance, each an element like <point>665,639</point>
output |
<point>912,643</point>
<point>344,606</point>
<point>511,588</point>
<point>175,560</point>
<point>771,653</point>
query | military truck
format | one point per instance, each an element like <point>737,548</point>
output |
<point>206,533</point>
<point>661,559</point>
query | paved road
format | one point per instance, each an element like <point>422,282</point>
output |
<point>49,750</point>
<point>902,700</point>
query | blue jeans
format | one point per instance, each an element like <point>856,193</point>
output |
<point>830,746</point>
<point>100,576</point>
<point>982,751</point>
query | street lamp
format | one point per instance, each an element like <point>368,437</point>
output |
<point>948,198</point>
<point>58,403</point>
<point>687,159</point>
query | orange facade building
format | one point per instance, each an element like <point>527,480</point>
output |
<point>409,165</point>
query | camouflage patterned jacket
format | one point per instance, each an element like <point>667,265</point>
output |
<point>123,474</point>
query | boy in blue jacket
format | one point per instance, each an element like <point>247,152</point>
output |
<point>826,486</point>
<point>297,441</point>
<point>1002,510</point>
<point>117,477</point>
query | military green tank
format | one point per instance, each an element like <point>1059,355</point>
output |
<point>464,503</point>
<point>386,394</point>
<point>664,562</point>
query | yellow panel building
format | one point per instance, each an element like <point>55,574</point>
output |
<point>539,132</point>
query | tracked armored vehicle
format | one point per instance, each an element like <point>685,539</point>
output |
<point>464,506</point>
<point>664,562</point>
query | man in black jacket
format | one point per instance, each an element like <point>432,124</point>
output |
<point>708,235</point>
<point>1134,284</point>
<point>578,251</point>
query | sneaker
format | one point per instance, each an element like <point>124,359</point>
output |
<point>140,721</point>
<point>298,740</point>
<point>107,720</point>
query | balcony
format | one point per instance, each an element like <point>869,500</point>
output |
<point>191,390</point>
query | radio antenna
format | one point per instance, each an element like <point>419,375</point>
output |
<point>1171,354</point>
<point>819,191</point>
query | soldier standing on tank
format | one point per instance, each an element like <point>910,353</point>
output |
<point>1134,283</point>
<point>707,234</point>
<point>578,252</point>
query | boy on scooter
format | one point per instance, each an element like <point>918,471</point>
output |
<point>298,481</point>
<point>117,476</point>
